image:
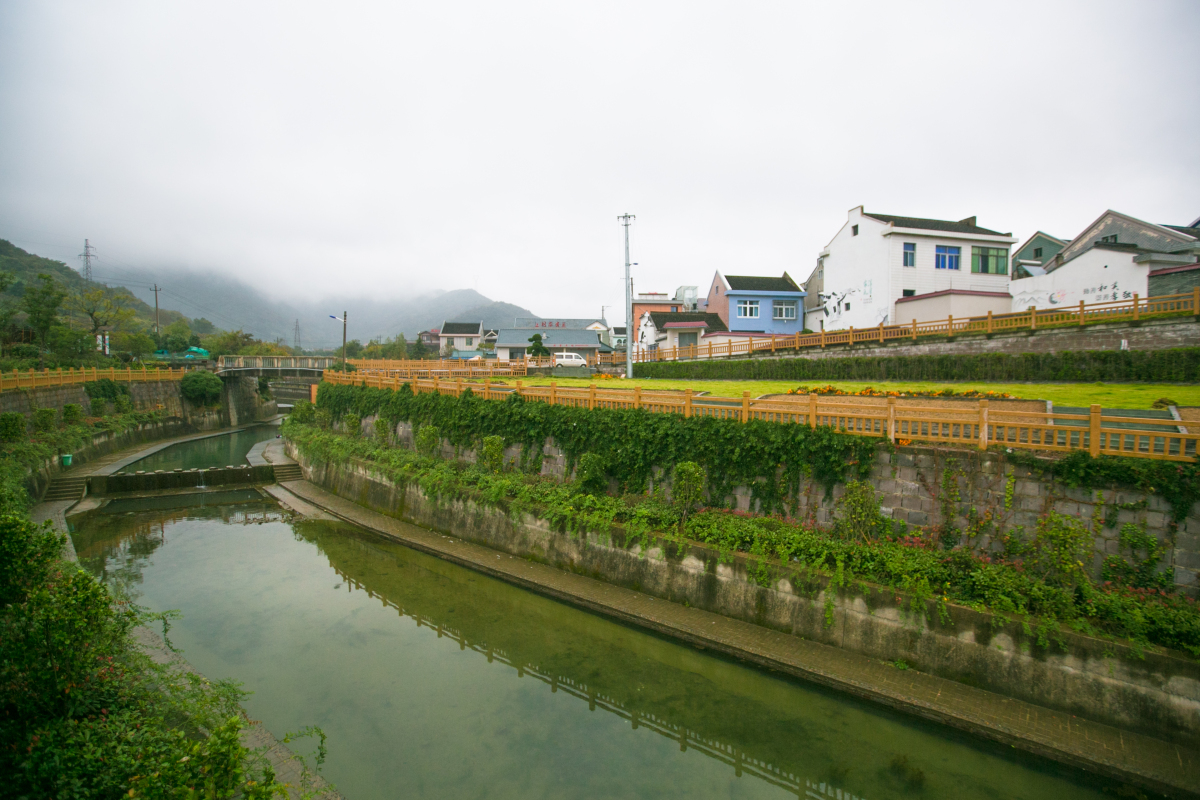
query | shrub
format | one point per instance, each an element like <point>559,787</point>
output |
<point>491,454</point>
<point>99,407</point>
<point>264,388</point>
<point>1179,365</point>
<point>857,514</point>
<point>303,412</point>
<point>323,419</point>
<point>105,389</point>
<point>429,440</point>
<point>44,420</point>
<point>72,414</point>
<point>201,387</point>
<point>383,431</point>
<point>352,424</point>
<point>688,488</point>
<point>123,404</point>
<point>590,474</point>
<point>12,426</point>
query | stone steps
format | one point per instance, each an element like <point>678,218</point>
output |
<point>288,472</point>
<point>66,488</point>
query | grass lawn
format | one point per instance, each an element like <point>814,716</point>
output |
<point>1109,395</point>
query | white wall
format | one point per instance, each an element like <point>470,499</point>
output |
<point>1090,278</point>
<point>868,271</point>
<point>959,306</point>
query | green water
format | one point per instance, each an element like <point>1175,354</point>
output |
<point>433,681</point>
<point>208,453</point>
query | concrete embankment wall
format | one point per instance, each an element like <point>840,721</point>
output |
<point>178,479</point>
<point>1104,681</point>
<point>929,487</point>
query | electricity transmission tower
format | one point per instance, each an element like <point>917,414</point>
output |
<point>296,338</point>
<point>87,255</point>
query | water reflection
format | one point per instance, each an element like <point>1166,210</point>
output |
<point>209,453</point>
<point>436,681</point>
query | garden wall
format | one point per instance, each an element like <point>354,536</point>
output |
<point>928,487</point>
<point>1105,681</point>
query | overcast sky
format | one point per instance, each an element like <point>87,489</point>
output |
<point>388,149</point>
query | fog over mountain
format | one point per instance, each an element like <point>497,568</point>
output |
<point>233,304</point>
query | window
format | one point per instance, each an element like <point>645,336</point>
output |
<point>1109,239</point>
<point>989,261</point>
<point>748,309</point>
<point>854,230</point>
<point>674,309</point>
<point>910,254</point>
<point>1037,252</point>
<point>946,257</point>
<point>910,292</point>
<point>784,310</point>
<point>846,306</point>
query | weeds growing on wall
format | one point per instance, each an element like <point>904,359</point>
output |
<point>1044,584</point>
<point>631,443</point>
<point>1178,365</point>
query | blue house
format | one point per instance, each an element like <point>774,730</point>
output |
<point>754,304</point>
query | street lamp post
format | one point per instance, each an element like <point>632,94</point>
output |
<point>343,321</point>
<point>626,220</point>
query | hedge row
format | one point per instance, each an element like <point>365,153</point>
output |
<point>1179,365</point>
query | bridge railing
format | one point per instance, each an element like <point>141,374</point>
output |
<point>36,379</point>
<point>1134,310</point>
<point>275,362</point>
<point>972,425</point>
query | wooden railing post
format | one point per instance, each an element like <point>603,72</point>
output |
<point>851,342</point>
<point>1196,300</point>
<point>983,424</point>
<point>592,396</point>
<point>772,344</point>
<point>822,336</point>
<point>1094,430</point>
<point>1033,318</point>
<point>950,327</point>
<point>553,392</point>
<point>710,351</point>
<point>812,409</point>
<point>1081,313</point>
<point>487,388</point>
<point>687,403</point>
<point>637,397</point>
<point>881,332</point>
<point>518,388</point>
<point>891,420</point>
<point>1135,307</point>
<point>914,329</point>
<point>745,406</point>
<point>989,327</point>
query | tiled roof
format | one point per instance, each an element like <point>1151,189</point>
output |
<point>712,322</point>
<point>755,283</point>
<point>559,337</point>
<point>619,331</point>
<point>1184,229</point>
<point>963,226</point>
<point>462,328</point>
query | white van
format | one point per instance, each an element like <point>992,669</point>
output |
<point>569,360</point>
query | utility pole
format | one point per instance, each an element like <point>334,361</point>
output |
<point>86,255</point>
<point>627,220</point>
<point>156,291</point>
<point>345,314</point>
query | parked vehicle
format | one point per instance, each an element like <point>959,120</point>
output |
<point>569,360</point>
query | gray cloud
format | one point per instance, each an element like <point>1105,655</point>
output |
<point>388,150</point>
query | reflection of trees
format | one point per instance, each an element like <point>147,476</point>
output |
<point>675,692</point>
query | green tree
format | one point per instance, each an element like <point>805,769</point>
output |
<point>201,387</point>
<point>202,326</point>
<point>138,345</point>
<point>102,306</point>
<point>536,348</point>
<point>42,302</point>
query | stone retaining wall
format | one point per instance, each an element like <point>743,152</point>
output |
<point>914,486</point>
<point>1104,681</point>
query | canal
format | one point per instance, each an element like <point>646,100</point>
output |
<point>211,452</point>
<point>434,681</point>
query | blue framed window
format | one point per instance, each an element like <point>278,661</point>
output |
<point>910,254</point>
<point>947,257</point>
<point>748,309</point>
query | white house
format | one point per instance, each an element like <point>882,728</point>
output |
<point>460,336</point>
<point>1110,261</point>
<point>877,259</point>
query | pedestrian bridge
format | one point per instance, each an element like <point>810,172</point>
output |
<point>274,366</point>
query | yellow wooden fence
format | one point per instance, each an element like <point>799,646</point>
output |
<point>36,379</point>
<point>973,425</point>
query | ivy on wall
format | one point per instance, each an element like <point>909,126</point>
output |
<point>769,458</point>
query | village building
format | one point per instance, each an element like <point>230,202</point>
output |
<point>460,336</point>
<point>755,304</point>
